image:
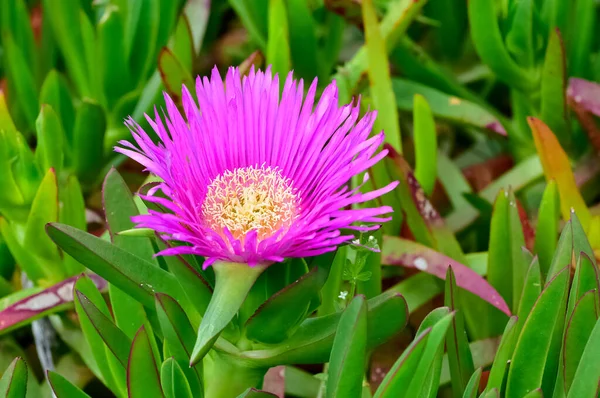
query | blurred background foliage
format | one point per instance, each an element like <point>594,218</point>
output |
<point>490,111</point>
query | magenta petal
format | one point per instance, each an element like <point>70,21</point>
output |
<point>242,123</point>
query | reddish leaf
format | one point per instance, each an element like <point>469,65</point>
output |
<point>586,94</point>
<point>398,251</point>
<point>48,301</point>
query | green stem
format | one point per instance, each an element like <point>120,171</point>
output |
<point>232,284</point>
<point>224,376</point>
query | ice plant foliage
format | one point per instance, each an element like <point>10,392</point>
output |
<point>252,177</point>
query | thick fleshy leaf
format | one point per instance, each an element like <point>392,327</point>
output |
<point>88,141</point>
<point>119,207</point>
<point>398,18</point>
<point>111,369</point>
<point>22,79</point>
<point>13,383</point>
<point>503,355</point>
<point>348,354</point>
<point>180,336</point>
<point>116,341</point>
<point>460,358</point>
<point>472,388</point>
<point>572,242</point>
<point>44,209</point>
<point>276,319</point>
<point>546,231</point>
<point>254,393</point>
<point>49,152</point>
<point>63,388</point>
<point>135,276</point>
<point>378,70</point>
<point>196,288</point>
<point>585,380</point>
<point>55,93</point>
<point>173,380</point>
<point>557,167</point>
<point>233,282</point>
<point>303,41</point>
<point>531,291</point>
<point>386,315</point>
<point>578,331</point>
<point>488,41</point>
<point>278,43</point>
<point>51,300</point>
<point>398,251</point>
<point>143,378</point>
<point>506,264</point>
<point>553,88</point>
<point>533,345</point>
<point>173,73</point>
<point>425,137</point>
<point>425,378</point>
<point>586,278</point>
<point>453,109</point>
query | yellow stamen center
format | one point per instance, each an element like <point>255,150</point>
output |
<point>250,198</point>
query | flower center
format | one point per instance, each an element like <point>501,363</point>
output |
<point>250,198</point>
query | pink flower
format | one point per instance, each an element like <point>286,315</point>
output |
<point>252,178</point>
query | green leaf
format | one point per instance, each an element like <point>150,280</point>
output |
<point>572,242</point>
<point>249,14</point>
<point>418,289</point>
<point>546,231</point>
<point>65,21</point>
<point>116,341</point>
<point>472,388</point>
<point>506,264</point>
<point>50,140</point>
<point>425,137</point>
<point>135,276</point>
<point>585,381</point>
<point>278,43</point>
<point>111,370</point>
<point>584,25</point>
<point>447,107</point>
<point>303,41</point>
<point>348,354</point>
<point>72,212</point>
<point>143,31</point>
<point>180,336</point>
<point>233,282</point>
<point>578,331</point>
<point>488,42</point>
<point>379,78</point>
<point>88,141</point>
<point>392,27</point>
<point>503,355</point>
<point>533,346</point>
<point>63,388</point>
<point>44,209</point>
<point>173,73</point>
<point>193,284</point>
<point>254,393</point>
<point>143,378</point>
<point>554,88</point>
<point>386,315</point>
<point>21,76</point>
<point>277,318</point>
<point>112,59</point>
<point>531,291</point>
<point>398,378</point>
<point>54,92</point>
<point>182,44</point>
<point>460,358</point>
<point>173,380</point>
<point>15,21</point>
<point>425,380</point>
<point>14,380</point>
<point>332,287</point>
<point>520,36</point>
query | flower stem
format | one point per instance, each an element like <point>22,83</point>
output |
<point>232,284</point>
<point>224,376</point>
